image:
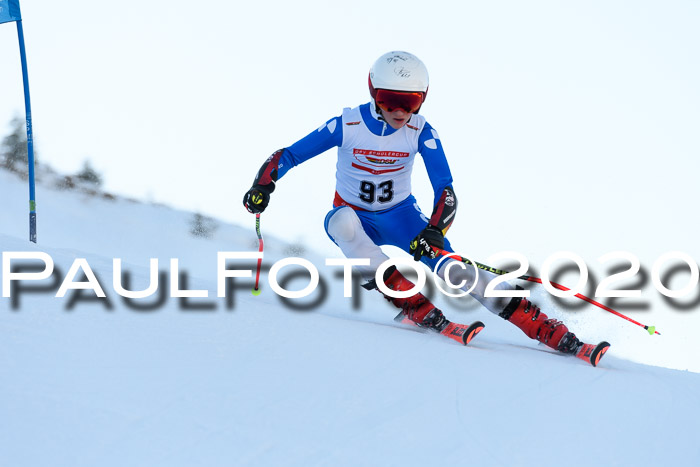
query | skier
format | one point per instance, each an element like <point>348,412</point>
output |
<point>377,143</point>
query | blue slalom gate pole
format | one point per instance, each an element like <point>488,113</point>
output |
<point>30,140</point>
<point>9,12</point>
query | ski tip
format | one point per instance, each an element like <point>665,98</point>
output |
<point>598,352</point>
<point>473,329</point>
<point>256,292</point>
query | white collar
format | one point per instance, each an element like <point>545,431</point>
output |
<point>373,109</point>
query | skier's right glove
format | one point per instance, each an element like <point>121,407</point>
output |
<point>258,197</point>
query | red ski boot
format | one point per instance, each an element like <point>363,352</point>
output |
<point>416,308</point>
<point>534,323</point>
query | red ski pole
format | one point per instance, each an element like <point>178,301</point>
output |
<point>650,329</point>
<point>256,290</point>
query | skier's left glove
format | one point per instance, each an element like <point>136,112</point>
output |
<point>427,243</point>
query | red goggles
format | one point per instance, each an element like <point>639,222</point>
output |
<point>392,100</point>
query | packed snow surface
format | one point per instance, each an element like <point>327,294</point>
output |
<point>250,381</point>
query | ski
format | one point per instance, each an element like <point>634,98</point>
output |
<point>592,353</point>
<point>462,333</point>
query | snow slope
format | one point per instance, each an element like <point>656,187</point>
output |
<point>197,383</point>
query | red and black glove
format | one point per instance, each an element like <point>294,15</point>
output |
<point>432,238</point>
<point>427,243</point>
<point>258,197</point>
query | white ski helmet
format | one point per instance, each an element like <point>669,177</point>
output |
<point>398,71</point>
